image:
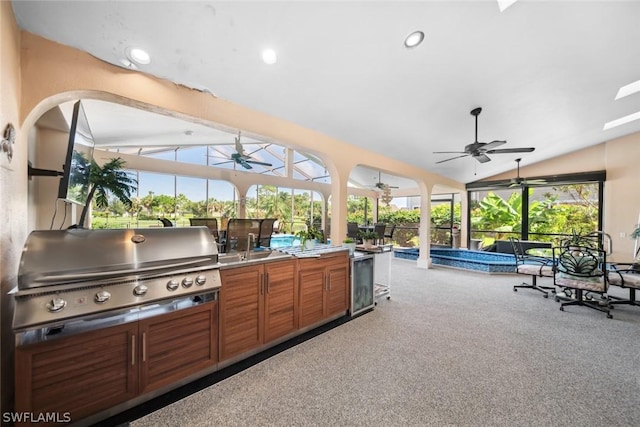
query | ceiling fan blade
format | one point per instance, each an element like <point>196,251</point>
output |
<point>256,162</point>
<point>452,158</point>
<point>492,144</point>
<point>221,163</point>
<point>535,181</point>
<point>527,182</point>
<point>450,152</point>
<point>482,158</point>
<point>244,164</point>
<point>511,150</point>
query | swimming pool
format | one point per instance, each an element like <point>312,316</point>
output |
<point>283,240</point>
<point>489,262</point>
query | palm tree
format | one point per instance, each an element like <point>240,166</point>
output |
<point>110,178</point>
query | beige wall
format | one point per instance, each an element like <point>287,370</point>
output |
<point>13,192</point>
<point>619,157</point>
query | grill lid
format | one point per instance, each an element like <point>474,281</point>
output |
<point>54,257</point>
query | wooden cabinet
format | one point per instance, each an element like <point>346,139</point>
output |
<point>241,308</point>
<point>324,287</point>
<point>176,345</point>
<point>78,375</point>
<point>257,305</point>
<point>280,299</point>
<point>337,295</point>
<point>92,371</point>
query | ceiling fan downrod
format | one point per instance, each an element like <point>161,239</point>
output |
<point>476,112</point>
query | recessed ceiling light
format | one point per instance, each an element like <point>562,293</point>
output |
<point>138,56</point>
<point>504,4</point>
<point>622,121</point>
<point>269,56</point>
<point>629,89</point>
<point>414,39</point>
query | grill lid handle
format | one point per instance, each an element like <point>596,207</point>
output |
<point>98,275</point>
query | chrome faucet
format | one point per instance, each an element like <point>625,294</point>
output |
<point>251,240</point>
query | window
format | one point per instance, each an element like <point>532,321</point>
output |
<point>564,205</point>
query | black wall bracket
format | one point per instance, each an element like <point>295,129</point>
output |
<point>42,172</point>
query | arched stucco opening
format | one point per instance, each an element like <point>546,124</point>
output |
<point>141,165</point>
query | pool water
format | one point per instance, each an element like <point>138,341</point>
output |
<point>284,240</point>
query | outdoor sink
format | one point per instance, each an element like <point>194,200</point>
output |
<point>253,256</point>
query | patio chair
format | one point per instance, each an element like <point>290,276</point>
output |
<point>379,228</point>
<point>625,275</point>
<point>212,225</point>
<point>389,230</point>
<point>266,231</point>
<point>165,222</point>
<point>533,266</point>
<point>238,231</point>
<point>582,268</point>
<point>353,231</point>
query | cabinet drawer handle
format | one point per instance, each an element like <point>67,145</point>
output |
<point>144,346</point>
<point>266,278</point>
<point>133,350</point>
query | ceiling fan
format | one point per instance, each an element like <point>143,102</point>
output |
<point>381,185</point>
<point>521,182</point>
<point>479,150</point>
<point>243,159</point>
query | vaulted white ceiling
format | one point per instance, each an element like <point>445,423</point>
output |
<point>546,73</point>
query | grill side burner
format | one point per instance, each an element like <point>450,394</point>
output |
<point>72,274</point>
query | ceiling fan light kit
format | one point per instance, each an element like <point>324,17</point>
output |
<point>522,182</point>
<point>479,150</point>
<point>381,185</point>
<point>240,157</point>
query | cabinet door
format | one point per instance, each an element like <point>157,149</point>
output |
<point>79,375</point>
<point>241,310</point>
<point>177,344</point>
<point>311,296</point>
<point>280,299</point>
<point>338,290</point>
<point>337,293</point>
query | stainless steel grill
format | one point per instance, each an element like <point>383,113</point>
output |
<point>72,274</point>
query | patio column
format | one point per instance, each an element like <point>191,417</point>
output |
<point>424,260</point>
<point>339,170</point>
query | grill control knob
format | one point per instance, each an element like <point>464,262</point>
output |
<point>56,305</point>
<point>187,282</point>
<point>140,290</point>
<point>173,284</point>
<point>102,297</point>
<point>201,280</point>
